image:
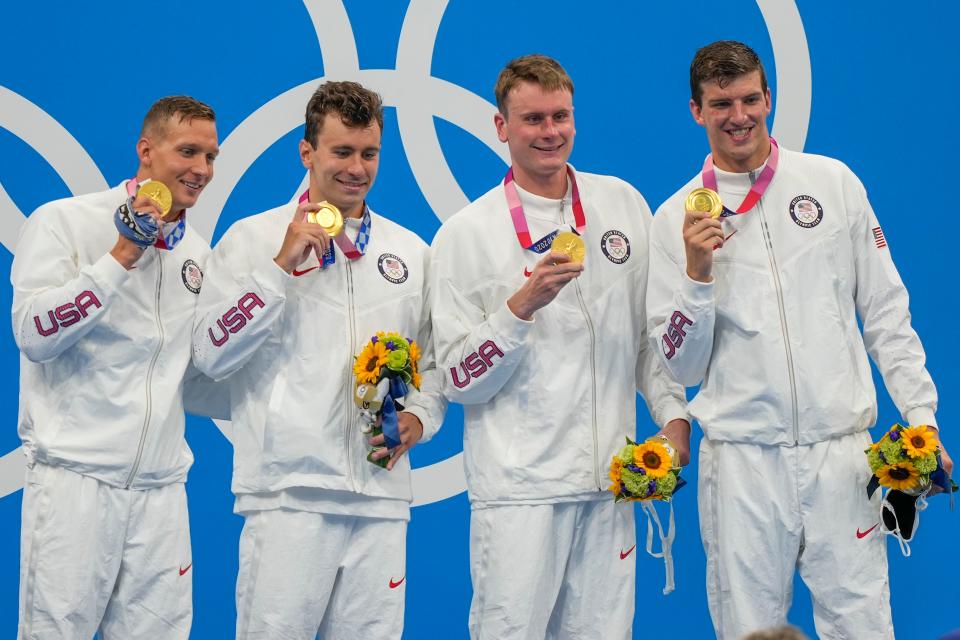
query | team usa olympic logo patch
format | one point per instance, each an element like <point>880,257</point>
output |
<point>615,246</point>
<point>806,211</point>
<point>192,276</point>
<point>392,268</point>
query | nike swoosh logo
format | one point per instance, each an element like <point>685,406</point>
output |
<point>527,273</point>
<point>864,534</point>
<point>394,585</point>
<point>183,570</point>
<point>298,273</point>
<point>623,556</point>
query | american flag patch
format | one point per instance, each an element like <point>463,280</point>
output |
<point>878,238</point>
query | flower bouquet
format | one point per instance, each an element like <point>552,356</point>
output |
<point>384,368</point>
<point>648,471</point>
<point>906,460</point>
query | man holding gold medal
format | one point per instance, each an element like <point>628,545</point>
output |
<point>759,269</point>
<point>292,295</point>
<point>105,286</point>
<point>538,300</point>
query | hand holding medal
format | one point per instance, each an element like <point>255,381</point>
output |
<point>139,218</point>
<point>310,231</point>
<point>702,232</point>
<point>155,193</point>
<point>329,218</point>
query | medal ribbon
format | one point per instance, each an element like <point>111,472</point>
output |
<point>520,221</point>
<point>757,189</point>
<point>164,241</point>
<point>351,250</point>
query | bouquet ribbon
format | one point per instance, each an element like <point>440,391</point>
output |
<point>390,423</point>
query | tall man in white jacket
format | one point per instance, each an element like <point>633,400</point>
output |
<point>283,313</point>
<point>104,290</point>
<point>547,356</point>
<point>761,306</point>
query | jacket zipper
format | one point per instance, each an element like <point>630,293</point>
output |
<point>351,417</point>
<point>593,370</point>
<point>149,385</point>
<point>783,318</point>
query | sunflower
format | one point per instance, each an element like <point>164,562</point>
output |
<point>367,365</point>
<point>903,476</point>
<point>919,441</point>
<point>616,470</point>
<point>653,458</point>
<point>414,354</point>
<point>416,379</point>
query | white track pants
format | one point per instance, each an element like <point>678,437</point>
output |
<point>767,511</point>
<point>563,570</point>
<point>95,557</point>
<point>302,573</point>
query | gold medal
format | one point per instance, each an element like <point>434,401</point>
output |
<point>705,201</point>
<point>571,244</point>
<point>159,193</point>
<point>328,217</point>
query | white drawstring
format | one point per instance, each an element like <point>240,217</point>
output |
<point>666,541</point>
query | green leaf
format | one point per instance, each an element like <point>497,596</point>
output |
<point>382,462</point>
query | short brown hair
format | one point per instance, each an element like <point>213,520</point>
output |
<point>536,68</point>
<point>356,105</point>
<point>723,61</point>
<point>786,632</point>
<point>155,122</point>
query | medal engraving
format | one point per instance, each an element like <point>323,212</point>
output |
<point>705,201</point>
<point>159,193</point>
<point>571,244</point>
<point>328,217</point>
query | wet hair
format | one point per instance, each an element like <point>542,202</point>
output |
<point>356,106</point>
<point>155,122</point>
<point>723,61</point>
<point>535,68</point>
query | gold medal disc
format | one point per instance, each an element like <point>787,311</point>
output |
<point>571,244</point>
<point>159,193</point>
<point>328,217</point>
<point>705,201</point>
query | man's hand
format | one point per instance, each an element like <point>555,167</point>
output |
<point>126,252</point>
<point>678,433</point>
<point>146,217</point>
<point>702,235</point>
<point>301,238</point>
<point>411,430</point>
<point>946,460</point>
<point>549,275</point>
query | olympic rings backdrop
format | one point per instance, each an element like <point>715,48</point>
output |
<point>855,80</point>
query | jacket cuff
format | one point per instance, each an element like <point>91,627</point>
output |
<point>672,411</point>
<point>698,294</point>
<point>272,278</point>
<point>108,274</point>
<point>921,415</point>
<point>504,325</point>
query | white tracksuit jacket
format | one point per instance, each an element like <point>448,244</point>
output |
<point>288,344</point>
<point>104,350</point>
<point>774,337</point>
<point>547,402</point>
